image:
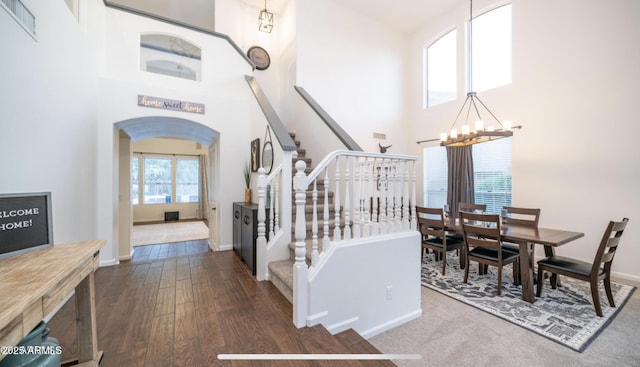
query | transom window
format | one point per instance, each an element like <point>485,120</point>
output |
<point>491,54</point>
<point>489,62</point>
<point>169,55</point>
<point>440,64</point>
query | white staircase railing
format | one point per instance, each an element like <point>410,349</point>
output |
<point>274,216</point>
<point>373,195</point>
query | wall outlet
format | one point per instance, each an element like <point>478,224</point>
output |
<point>389,292</point>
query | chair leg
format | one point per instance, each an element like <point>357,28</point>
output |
<point>596,298</point>
<point>466,271</point>
<point>554,280</point>
<point>516,274</point>
<point>499,280</point>
<point>444,261</point>
<point>539,285</point>
<point>607,287</point>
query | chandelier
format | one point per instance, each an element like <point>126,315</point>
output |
<point>479,133</point>
<point>265,19</point>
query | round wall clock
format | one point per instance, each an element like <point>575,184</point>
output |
<point>259,56</point>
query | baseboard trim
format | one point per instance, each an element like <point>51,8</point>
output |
<point>347,324</point>
<point>319,318</point>
<point>111,262</point>
<point>391,324</point>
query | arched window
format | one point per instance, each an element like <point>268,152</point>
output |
<point>491,54</point>
<point>440,70</point>
<point>170,55</point>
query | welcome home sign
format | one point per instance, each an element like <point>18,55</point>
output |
<point>170,104</point>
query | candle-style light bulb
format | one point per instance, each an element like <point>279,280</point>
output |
<point>454,133</point>
<point>465,129</point>
<point>479,125</point>
<point>443,137</point>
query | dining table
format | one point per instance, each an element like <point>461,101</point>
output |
<point>523,236</point>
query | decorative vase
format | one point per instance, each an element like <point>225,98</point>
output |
<point>247,195</point>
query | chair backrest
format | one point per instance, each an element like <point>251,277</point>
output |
<point>471,207</point>
<point>526,217</point>
<point>609,245</point>
<point>431,221</point>
<point>481,230</point>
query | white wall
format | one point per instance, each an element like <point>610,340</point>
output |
<point>48,114</point>
<point>355,68</point>
<point>383,280</point>
<point>575,78</point>
<point>223,91</point>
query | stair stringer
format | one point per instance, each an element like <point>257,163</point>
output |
<point>368,284</point>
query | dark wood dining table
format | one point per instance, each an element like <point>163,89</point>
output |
<point>523,236</point>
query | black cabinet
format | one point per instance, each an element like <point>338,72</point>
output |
<point>237,228</point>
<point>245,232</point>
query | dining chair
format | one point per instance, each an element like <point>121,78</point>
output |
<point>483,244</point>
<point>594,272</point>
<point>524,217</point>
<point>432,228</point>
<point>471,207</point>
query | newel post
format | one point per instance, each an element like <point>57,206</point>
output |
<point>262,272</point>
<point>300,270</point>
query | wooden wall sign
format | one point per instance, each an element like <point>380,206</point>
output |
<point>170,104</point>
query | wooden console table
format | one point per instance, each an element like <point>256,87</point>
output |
<point>34,283</point>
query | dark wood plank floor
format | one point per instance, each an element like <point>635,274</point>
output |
<point>185,310</point>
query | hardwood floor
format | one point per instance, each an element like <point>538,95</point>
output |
<point>184,311</point>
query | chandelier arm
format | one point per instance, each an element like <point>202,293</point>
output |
<point>473,102</point>
<point>491,113</point>
<point>459,112</point>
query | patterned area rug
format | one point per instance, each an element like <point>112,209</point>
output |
<point>151,234</point>
<point>565,315</point>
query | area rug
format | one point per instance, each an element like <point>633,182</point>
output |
<point>150,234</point>
<point>564,315</point>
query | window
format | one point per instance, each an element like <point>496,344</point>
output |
<point>187,180</point>
<point>165,179</point>
<point>135,180</point>
<point>21,14</point>
<point>157,180</point>
<point>492,175</point>
<point>491,53</point>
<point>440,64</point>
<point>168,55</point>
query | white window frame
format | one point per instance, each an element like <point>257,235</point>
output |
<point>430,82</point>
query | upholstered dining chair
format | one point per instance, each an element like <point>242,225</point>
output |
<point>525,217</point>
<point>482,243</point>
<point>594,272</point>
<point>432,228</point>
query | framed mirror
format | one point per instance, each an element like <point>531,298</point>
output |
<point>267,152</point>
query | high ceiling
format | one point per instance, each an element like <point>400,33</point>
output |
<point>404,15</point>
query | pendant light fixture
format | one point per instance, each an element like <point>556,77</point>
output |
<point>265,19</point>
<point>478,133</point>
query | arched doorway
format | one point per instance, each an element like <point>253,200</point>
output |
<point>141,128</point>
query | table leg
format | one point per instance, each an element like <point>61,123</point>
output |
<point>526,276</point>
<point>86,320</point>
